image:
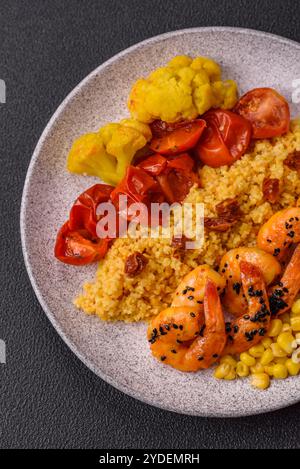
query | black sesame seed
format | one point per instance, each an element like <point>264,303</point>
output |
<point>190,297</point>
<point>236,329</point>
<point>237,287</point>
<point>192,315</point>
<point>181,327</point>
<point>202,330</point>
<point>246,317</point>
<point>173,351</point>
<point>163,357</point>
<point>230,338</point>
<point>291,234</point>
<point>215,355</point>
<point>175,326</point>
<point>200,359</point>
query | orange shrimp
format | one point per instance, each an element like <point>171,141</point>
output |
<point>249,329</point>
<point>234,299</point>
<point>280,232</point>
<point>179,337</point>
<point>190,291</point>
<point>283,294</point>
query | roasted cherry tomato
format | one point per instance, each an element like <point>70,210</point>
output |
<point>136,185</point>
<point>78,247</point>
<point>83,213</point>
<point>225,139</point>
<point>267,111</point>
<point>175,174</point>
<point>182,138</point>
<point>154,164</point>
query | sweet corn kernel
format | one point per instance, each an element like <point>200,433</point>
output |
<point>293,368</point>
<point>280,371</point>
<point>285,340</point>
<point>257,368</point>
<point>242,369</point>
<point>266,342</point>
<point>247,359</point>
<point>297,335</point>
<point>229,359</point>
<point>260,381</point>
<point>277,350</point>
<point>285,318</point>
<point>296,355</point>
<point>280,360</point>
<point>286,327</point>
<point>231,375</point>
<point>256,351</point>
<point>267,357</point>
<point>295,323</point>
<point>222,370</point>
<point>275,327</point>
<point>296,308</point>
<point>269,369</point>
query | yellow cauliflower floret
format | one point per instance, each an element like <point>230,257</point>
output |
<point>183,89</point>
<point>109,152</point>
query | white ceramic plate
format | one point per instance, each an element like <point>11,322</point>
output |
<point>119,353</point>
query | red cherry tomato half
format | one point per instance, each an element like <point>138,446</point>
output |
<point>267,111</point>
<point>225,139</point>
<point>154,164</point>
<point>77,247</point>
<point>178,178</point>
<point>175,174</point>
<point>136,184</point>
<point>83,213</point>
<point>183,138</point>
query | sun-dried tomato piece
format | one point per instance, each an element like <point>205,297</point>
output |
<point>293,161</point>
<point>270,189</point>
<point>135,263</point>
<point>220,224</point>
<point>229,208</point>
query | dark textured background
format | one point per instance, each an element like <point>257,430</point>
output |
<point>47,396</point>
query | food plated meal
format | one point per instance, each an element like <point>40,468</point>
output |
<point>190,139</point>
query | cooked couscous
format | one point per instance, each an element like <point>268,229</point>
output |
<point>115,296</point>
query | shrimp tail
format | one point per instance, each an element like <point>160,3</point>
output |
<point>250,328</point>
<point>208,348</point>
<point>283,294</point>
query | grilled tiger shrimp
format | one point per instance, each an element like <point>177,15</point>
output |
<point>249,329</point>
<point>234,299</point>
<point>190,338</point>
<point>280,232</point>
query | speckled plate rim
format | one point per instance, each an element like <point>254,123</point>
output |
<point>47,131</point>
